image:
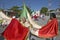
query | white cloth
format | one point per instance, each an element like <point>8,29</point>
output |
<point>26,24</point>
<point>34,32</point>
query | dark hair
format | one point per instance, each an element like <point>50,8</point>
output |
<point>52,15</point>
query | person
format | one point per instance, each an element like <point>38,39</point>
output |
<point>35,17</point>
<point>52,25</point>
<point>42,16</point>
<point>52,16</point>
<point>49,30</point>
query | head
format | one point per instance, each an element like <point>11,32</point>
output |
<point>52,15</point>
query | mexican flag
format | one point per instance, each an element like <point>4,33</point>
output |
<point>15,31</point>
<point>24,12</point>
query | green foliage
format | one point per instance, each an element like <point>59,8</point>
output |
<point>1,9</point>
<point>44,10</point>
<point>16,9</point>
<point>52,10</point>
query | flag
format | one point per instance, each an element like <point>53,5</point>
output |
<point>24,12</point>
<point>15,31</point>
<point>50,30</point>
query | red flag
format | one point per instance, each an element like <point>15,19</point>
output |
<point>50,30</point>
<point>15,31</point>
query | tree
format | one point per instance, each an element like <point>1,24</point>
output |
<point>16,9</point>
<point>44,10</point>
<point>1,9</point>
<point>52,10</point>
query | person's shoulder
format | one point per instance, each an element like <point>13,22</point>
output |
<point>56,20</point>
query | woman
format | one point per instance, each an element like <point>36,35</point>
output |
<point>50,30</point>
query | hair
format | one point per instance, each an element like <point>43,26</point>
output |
<point>52,15</point>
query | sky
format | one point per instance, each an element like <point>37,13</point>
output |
<point>33,4</point>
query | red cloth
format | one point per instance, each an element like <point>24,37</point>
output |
<point>15,31</point>
<point>50,30</point>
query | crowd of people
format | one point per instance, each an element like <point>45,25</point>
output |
<point>36,16</point>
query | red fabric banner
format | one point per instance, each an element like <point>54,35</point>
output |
<point>50,30</point>
<point>15,31</point>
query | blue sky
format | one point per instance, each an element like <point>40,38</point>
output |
<point>33,4</point>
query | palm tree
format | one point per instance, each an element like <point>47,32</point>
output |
<point>44,10</point>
